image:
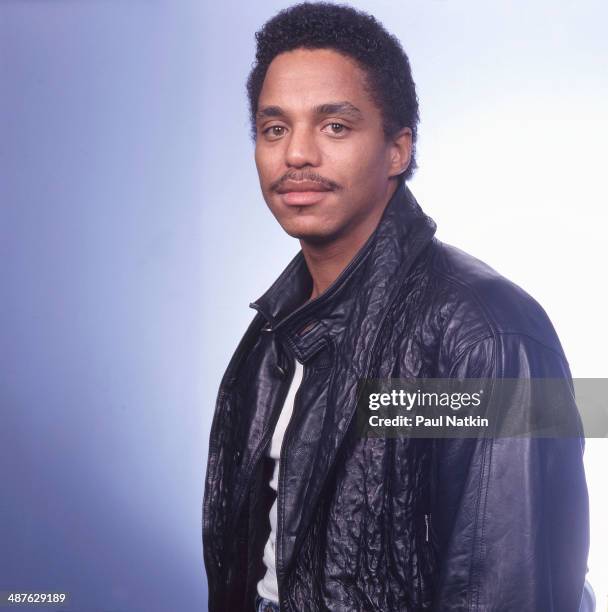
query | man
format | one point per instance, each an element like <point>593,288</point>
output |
<point>302,513</point>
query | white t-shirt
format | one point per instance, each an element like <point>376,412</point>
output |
<point>267,586</point>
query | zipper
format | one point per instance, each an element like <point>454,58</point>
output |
<point>282,457</point>
<point>424,567</point>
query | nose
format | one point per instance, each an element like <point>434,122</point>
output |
<point>302,148</point>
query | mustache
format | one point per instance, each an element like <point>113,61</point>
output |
<point>305,176</point>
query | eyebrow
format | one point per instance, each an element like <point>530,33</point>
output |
<point>329,108</point>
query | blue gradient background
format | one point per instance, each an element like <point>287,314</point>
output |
<point>133,236</point>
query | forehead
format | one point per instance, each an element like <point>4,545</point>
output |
<point>304,78</point>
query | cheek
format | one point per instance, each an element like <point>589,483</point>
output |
<point>268,163</point>
<point>354,164</point>
<point>261,159</point>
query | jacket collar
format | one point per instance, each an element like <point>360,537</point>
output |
<point>306,327</point>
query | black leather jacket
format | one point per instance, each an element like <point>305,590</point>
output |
<point>488,524</point>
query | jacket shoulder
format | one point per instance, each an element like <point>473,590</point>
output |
<point>478,303</point>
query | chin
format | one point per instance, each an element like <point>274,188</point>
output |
<point>313,233</point>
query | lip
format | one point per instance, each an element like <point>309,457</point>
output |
<point>298,193</point>
<point>303,198</point>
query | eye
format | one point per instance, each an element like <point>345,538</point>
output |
<point>274,131</point>
<point>337,129</point>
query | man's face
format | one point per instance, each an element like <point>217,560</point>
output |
<point>322,158</point>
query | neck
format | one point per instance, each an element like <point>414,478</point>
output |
<point>326,261</point>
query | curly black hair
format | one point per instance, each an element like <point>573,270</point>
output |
<point>323,25</point>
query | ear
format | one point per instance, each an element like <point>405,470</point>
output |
<point>400,152</point>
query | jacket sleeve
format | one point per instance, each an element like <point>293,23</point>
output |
<point>510,515</point>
